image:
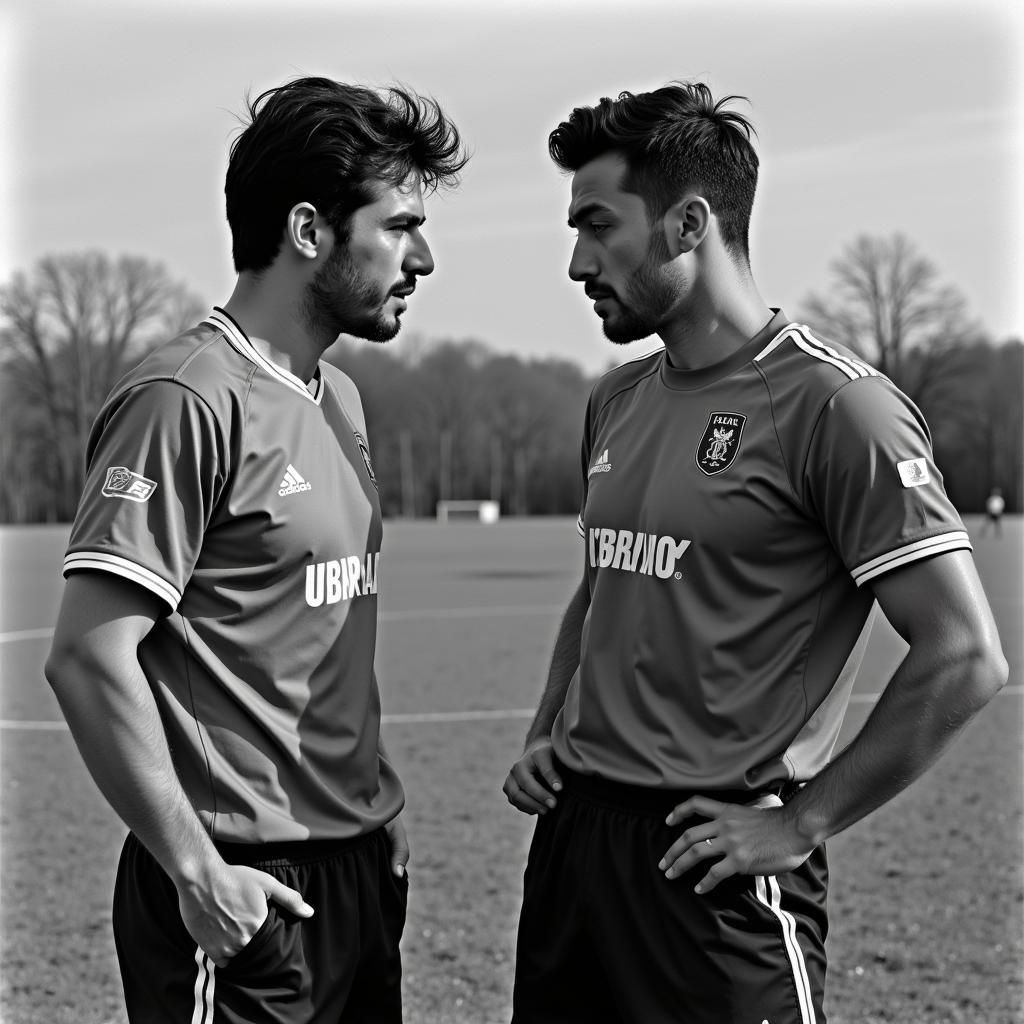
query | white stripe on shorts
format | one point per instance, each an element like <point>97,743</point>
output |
<point>769,893</point>
<point>202,1008</point>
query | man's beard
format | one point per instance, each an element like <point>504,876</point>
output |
<point>648,296</point>
<point>341,300</point>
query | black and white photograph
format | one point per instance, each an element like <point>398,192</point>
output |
<point>511,513</point>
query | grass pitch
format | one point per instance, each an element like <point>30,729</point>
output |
<point>926,895</point>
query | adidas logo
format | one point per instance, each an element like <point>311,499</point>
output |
<point>293,482</point>
<point>602,465</point>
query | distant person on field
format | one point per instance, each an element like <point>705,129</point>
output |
<point>994,508</point>
<point>214,654</point>
<point>749,491</point>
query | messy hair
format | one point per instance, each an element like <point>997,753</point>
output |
<point>329,144</point>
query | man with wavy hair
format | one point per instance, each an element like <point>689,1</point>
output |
<point>749,492</point>
<point>214,652</point>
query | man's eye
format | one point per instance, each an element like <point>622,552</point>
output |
<point>596,229</point>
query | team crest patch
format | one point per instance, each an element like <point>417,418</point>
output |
<point>123,483</point>
<point>365,449</point>
<point>720,443</point>
<point>913,472</point>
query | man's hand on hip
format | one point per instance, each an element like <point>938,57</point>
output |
<point>741,839</point>
<point>226,911</point>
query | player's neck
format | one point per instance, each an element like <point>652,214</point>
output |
<point>273,323</point>
<point>714,324</point>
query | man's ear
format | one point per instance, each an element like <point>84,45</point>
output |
<point>303,232</point>
<point>686,224</point>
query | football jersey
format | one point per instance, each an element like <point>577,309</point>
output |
<point>731,517</point>
<point>246,503</point>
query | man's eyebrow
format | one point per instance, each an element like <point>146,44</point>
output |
<point>585,211</point>
<point>407,218</point>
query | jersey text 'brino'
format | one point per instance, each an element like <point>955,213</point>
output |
<point>645,553</point>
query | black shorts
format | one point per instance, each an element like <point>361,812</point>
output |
<point>605,938</point>
<point>340,966</point>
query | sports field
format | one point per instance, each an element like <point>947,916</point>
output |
<point>927,902</point>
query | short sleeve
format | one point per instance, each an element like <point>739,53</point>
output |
<point>871,479</point>
<point>155,469</point>
<point>586,447</point>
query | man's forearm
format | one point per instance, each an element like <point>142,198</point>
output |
<point>926,704</point>
<point>117,727</point>
<point>565,659</point>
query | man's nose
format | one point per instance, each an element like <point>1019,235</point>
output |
<point>419,259</point>
<point>581,264</point>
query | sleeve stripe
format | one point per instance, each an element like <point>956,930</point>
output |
<point>579,526</point>
<point>779,338</point>
<point>802,337</point>
<point>955,541</point>
<point>862,369</point>
<point>123,567</point>
<point>839,364</point>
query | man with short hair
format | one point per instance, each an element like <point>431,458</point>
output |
<point>214,652</point>
<point>749,492</point>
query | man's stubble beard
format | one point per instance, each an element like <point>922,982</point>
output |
<point>649,295</point>
<point>340,300</point>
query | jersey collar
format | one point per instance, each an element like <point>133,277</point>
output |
<point>691,380</point>
<point>238,339</point>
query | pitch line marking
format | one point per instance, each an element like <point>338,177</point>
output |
<point>25,634</point>
<point>13,725</point>
<point>457,716</point>
<point>426,717</point>
<point>396,616</point>
<point>397,719</point>
<point>471,613</point>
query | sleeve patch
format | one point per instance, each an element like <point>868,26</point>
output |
<point>913,472</point>
<point>123,483</point>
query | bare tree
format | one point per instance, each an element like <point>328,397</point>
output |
<point>887,300</point>
<point>68,331</point>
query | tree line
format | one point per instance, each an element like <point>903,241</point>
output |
<point>455,420</point>
<point>452,419</point>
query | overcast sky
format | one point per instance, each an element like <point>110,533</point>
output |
<point>871,118</point>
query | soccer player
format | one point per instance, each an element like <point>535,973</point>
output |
<point>749,491</point>
<point>214,652</point>
<point>994,506</point>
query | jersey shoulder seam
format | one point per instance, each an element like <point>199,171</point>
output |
<point>778,439</point>
<point>819,418</point>
<point>628,385</point>
<point>166,378</point>
<point>176,376</point>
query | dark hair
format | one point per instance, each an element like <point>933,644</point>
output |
<point>323,142</point>
<point>671,139</point>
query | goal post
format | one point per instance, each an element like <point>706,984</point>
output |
<point>472,511</point>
